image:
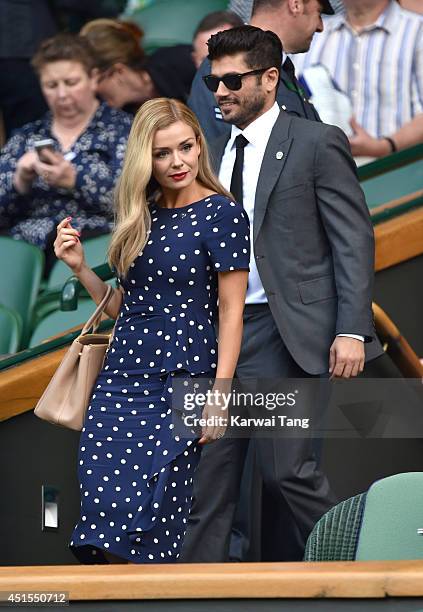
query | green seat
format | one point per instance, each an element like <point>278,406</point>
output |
<point>392,518</point>
<point>95,250</point>
<point>386,523</point>
<point>335,535</point>
<point>393,184</point>
<point>58,321</point>
<point>20,278</point>
<point>10,331</point>
<point>172,22</point>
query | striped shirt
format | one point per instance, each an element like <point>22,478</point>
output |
<point>380,68</point>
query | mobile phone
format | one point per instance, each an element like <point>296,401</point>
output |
<point>42,145</point>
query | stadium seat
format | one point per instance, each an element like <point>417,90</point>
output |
<point>335,535</point>
<point>392,525</point>
<point>22,270</point>
<point>10,331</point>
<point>95,250</point>
<point>172,22</point>
<point>383,524</point>
<point>58,322</point>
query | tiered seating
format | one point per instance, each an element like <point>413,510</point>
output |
<point>29,312</point>
<point>20,279</point>
<point>49,300</point>
<point>10,331</point>
<point>172,22</point>
<point>383,523</point>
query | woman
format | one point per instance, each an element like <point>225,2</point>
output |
<point>175,256</point>
<point>77,176</point>
<point>127,76</point>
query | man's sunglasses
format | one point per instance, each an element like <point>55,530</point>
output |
<point>231,81</point>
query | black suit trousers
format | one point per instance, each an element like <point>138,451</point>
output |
<point>299,490</point>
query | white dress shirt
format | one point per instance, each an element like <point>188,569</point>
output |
<point>257,133</point>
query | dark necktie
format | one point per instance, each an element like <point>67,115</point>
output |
<point>236,180</point>
<point>289,68</point>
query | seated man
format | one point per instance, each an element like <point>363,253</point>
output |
<point>374,52</point>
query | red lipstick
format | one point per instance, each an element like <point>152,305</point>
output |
<point>179,176</point>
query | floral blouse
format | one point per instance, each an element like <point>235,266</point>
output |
<point>97,154</point>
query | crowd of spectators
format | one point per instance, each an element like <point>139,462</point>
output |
<point>79,90</point>
<point>76,174</point>
<point>372,50</point>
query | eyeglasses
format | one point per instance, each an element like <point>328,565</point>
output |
<point>230,81</point>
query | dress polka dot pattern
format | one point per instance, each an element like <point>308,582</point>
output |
<point>135,476</point>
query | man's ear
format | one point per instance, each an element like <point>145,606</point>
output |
<point>296,7</point>
<point>272,79</point>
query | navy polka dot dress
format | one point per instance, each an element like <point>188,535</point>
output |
<point>135,476</point>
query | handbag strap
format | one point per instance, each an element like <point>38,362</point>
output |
<point>94,319</point>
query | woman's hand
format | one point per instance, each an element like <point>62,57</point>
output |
<point>68,247</point>
<point>215,413</point>
<point>58,172</point>
<point>25,172</point>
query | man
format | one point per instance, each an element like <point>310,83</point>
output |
<point>209,25</point>
<point>413,5</point>
<point>295,22</point>
<point>374,52</point>
<point>308,307</point>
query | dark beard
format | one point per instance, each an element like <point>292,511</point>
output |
<point>248,112</point>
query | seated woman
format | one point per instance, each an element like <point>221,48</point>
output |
<point>76,176</point>
<point>128,77</point>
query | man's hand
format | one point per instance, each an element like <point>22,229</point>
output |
<point>346,357</point>
<point>362,144</point>
<point>58,172</point>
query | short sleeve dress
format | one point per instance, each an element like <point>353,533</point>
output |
<point>135,474</point>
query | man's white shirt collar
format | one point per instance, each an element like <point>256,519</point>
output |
<point>258,132</point>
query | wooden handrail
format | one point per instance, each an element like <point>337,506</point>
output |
<point>353,579</point>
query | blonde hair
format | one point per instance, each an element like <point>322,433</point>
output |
<point>133,219</point>
<point>115,42</point>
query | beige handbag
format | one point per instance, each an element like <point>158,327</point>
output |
<point>66,398</point>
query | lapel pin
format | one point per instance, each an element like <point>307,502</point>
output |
<point>279,155</point>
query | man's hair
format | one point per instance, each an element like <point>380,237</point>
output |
<point>259,5</point>
<point>216,19</point>
<point>262,49</point>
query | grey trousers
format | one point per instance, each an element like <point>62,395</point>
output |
<point>299,490</point>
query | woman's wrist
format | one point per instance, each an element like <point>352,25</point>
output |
<point>79,270</point>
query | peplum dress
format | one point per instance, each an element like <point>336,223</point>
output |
<point>135,474</point>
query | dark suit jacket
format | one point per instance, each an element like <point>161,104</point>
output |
<point>313,240</point>
<point>203,103</point>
